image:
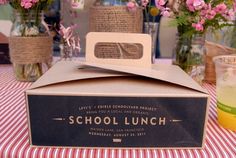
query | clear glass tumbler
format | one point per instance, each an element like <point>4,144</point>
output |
<point>226,90</point>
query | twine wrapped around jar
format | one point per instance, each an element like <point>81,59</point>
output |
<point>28,50</point>
<point>116,19</point>
<point>213,50</point>
<point>30,56</point>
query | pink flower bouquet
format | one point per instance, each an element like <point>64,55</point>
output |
<point>149,10</point>
<point>70,41</point>
<point>28,9</point>
<point>193,19</point>
<point>196,16</point>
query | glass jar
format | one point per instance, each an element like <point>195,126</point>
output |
<point>112,2</point>
<point>119,2</point>
<point>107,2</point>
<point>30,46</point>
<point>189,54</point>
<point>151,28</point>
<point>66,52</point>
<point>29,24</point>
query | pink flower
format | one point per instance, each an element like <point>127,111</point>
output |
<point>75,43</point>
<point>190,6</point>
<point>198,26</point>
<point>165,12</point>
<point>28,3</point>
<point>3,2</point>
<point>66,33</point>
<point>202,21</point>
<point>69,37</point>
<point>203,13</point>
<point>144,2</point>
<point>210,14</point>
<point>132,6</point>
<point>207,12</point>
<point>205,9</point>
<point>160,3</point>
<point>229,15</point>
<point>220,8</point>
<point>198,4</point>
<point>195,4</point>
<point>75,5</point>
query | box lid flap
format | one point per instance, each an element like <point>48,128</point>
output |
<point>168,73</point>
<point>65,71</point>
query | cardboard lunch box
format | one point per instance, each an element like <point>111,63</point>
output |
<point>95,103</point>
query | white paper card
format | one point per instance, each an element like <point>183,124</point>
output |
<point>93,38</point>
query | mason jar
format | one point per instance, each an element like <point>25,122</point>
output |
<point>189,55</point>
<point>30,46</point>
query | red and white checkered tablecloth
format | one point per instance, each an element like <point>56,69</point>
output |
<point>14,136</point>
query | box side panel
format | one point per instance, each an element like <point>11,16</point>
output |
<point>4,54</point>
<point>116,121</point>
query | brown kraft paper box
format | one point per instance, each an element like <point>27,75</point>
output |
<point>98,103</point>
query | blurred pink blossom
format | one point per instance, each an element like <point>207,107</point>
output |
<point>160,3</point>
<point>165,12</point>
<point>210,14</point>
<point>3,1</point>
<point>190,6</point>
<point>205,9</point>
<point>195,4</point>
<point>198,26</point>
<point>198,4</point>
<point>207,12</point>
<point>28,3</point>
<point>202,21</point>
<point>68,35</point>
<point>132,5</point>
<point>229,15</point>
<point>220,8</point>
<point>202,14</point>
<point>75,5</point>
<point>144,2</point>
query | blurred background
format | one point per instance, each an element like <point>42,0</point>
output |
<point>60,11</point>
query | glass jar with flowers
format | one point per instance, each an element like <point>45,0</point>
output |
<point>70,42</point>
<point>151,11</point>
<point>193,18</point>
<point>30,43</point>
